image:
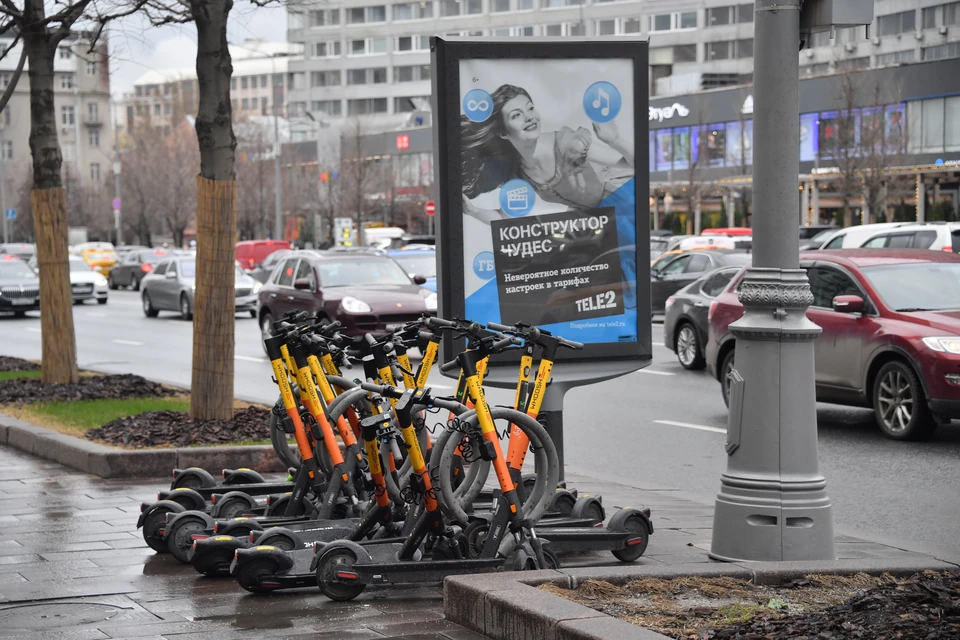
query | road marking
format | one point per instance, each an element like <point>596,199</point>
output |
<point>94,314</point>
<point>656,373</point>
<point>132,343</point>
<point>687,425</point>
<point>658,344</point>
<point>32,330</point>
<point>249,359</point>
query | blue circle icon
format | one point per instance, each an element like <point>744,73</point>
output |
<point>477,105</point>
<point>601,102</point>
<point>483,265</point>
<point>517,198</point>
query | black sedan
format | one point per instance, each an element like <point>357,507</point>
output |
<point>19,286</point>
<point>685,325</point>
<point>673,272</point>
<point>133,265</point>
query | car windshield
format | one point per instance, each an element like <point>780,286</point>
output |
<point>347,273</point>
<point>188,268</point>
<point>79,265</point>
<point>153,257</point>
<point>820,237</point>
<point>925,286</point>
<point>16,269</point>
<point>420,265</point>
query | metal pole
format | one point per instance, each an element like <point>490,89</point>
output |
<point>3,187</point>
<point>317,227</point>
<point>772,504</point>
<point>921,199</point>
<point>277,213</point>
<point>116,172</point>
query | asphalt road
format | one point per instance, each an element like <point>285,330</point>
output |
<point>662,427</point>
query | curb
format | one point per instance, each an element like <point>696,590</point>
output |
<point>508,606</point>
<point>106,462</point>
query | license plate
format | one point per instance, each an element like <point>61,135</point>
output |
<point>21,301</point>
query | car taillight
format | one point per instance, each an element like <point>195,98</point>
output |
<point>948,248</point>
<point>713,307</point>
<point>146,268</point>
<point>670,302</point>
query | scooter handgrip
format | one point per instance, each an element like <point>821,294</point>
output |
<point>395,449</point>
<point>506,342</point>
<point>370,339</point>
<point>570,344</point>
<point>440,322</point>
<point>425,335</point>
<point>500,327</point>
<point>384,390</point>
<point>453,365</point>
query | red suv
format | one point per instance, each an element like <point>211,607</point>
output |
<point>891,334</point>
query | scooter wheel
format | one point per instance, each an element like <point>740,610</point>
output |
<point>553,561</point>
<point>180,538</point>
<point>193,478</point>
<point>252,573</point>
<point>231,506</point>
<point>589,508</point>
<point>474,537</point>
<point>563,503</point>
<point>630,520</point>
<point>243,476</point>
<point>278,507</point>
<point>529,480</point>
<point>285,540</point>
<point>214,563</point>
<point>332,565</point>
<point>154,524</point>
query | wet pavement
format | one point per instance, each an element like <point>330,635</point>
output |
<point>74,567</point>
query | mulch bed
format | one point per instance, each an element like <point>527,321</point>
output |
<point>115,387</point>
<point>160,428</point>
<point>17,364</point>
<point>861,607</point>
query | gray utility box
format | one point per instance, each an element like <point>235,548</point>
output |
<point>824,15</point>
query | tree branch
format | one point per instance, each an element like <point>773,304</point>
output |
<point>10,9</point>
<point>5,98</point>
<point>67,18</point>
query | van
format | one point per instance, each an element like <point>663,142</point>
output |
<point>251,253</point>
<point>935,236</point>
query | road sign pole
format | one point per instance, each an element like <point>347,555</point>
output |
<point>773,502</point>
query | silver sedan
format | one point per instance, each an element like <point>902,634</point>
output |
<point>171,285</point>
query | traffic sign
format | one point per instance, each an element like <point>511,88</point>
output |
<point>11,214</point>
<point>429,208</point>
<point>116,203</point>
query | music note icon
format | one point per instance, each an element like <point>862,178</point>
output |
<point>602,97</point>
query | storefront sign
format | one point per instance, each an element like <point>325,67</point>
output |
<point>659,114</point>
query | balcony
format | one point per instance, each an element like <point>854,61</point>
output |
<point>92,121</point>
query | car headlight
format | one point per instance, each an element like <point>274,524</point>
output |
<point>944,344</point>
<point>431,301</point>
<point>193,288</point>
<point>100,281</point>
<point>257,287</point>
<point>353,305</point>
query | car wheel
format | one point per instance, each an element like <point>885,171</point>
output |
<point>112,283</point>
<point>725,370</point>
<point>253,313</point>
<point>101,301</point>
<point>185,309</point>
<point>148,309</point>
<point>687,346</point>
<point>266,322</point>
<point>899,403</point>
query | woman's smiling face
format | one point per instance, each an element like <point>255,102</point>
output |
<point>521,120</point>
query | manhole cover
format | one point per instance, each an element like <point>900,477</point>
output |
<point>52,615</point>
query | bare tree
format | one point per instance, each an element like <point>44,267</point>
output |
<point>255,181</point>
<point>362,178</point>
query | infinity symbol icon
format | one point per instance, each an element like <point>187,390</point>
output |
<point>473,105</point>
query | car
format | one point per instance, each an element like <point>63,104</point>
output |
<point>134,265</point>
<point>366,293</point>
<point>685,326</point>
<point>19,286</point>
<point>100,259</point>
<point>730,232</point>
<point>406,241</point>
<point>250,253</point>
<point>85,283</point>
<point>418,262</point>
<point>850,237</point>
<point>262,272</point>
<point>124,249</point>
<point>932,236</point>
<point>22,250</point>
<point>890,340</point>
<point>673,272</point>
<point>813,236</point>
<point>171,284</point>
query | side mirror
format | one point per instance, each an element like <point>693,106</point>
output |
<point>171,275</point>
<point>304,284</point>
<point>654,273</point>
<point>848,304</point>
<point>419,280</point>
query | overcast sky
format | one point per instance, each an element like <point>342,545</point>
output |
<point>135,47</point>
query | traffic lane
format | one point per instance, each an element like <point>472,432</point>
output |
<point>660,427</point>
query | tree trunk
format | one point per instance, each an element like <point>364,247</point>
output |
<point>211,395</point>
<point>49,204</point>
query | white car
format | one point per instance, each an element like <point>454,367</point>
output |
<point>944,236</point>
<point>853,237</point>
<point>85,283</point>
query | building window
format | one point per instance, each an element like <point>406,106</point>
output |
<point>328,107</point>
<point>5,117</point>
<point>4,80</point>
<point>244,81</point>
<point>368,46</point>
<point>363,15</point>
<point>156,109</point>
<point>944,14</point>
<point>325,78</point>
<point>606,27</point>
<point>379,75</point>
<point>897,57</point>
<point>324,18</point>
<point>327,49</point>
<point>233,84</point>
<point>245,104</point>
<point>94,138</point>
<point>933,137</point>
<point>403,74</point>
<point>413,43</point>
<point>66,81</point>
<point>263,82</point>
<point>525,5</point>
<point>66,53</point>
<point>367,76</point>
<point>631,25</point>
<point>951,138</point>
<point>264,103</point>
<point>413,11</point>
<point>941,52</point>
<point>718,50</point>
<point>94,170</point>
<point>407,105</point>
<point>902,22</point>
<point>449,8</point>
<point>718,16</point>
<point>91,67</point>
<point>7,150</point>
<point>745,48</point>
<point>685,53</point>
<point>357,76</point>
<point>745,13</point>
<point>674,21</point>
<point>366,106</point>
<point>853,64</point>
<point>67,116</point>
<point>499,6</point>
<point>167,108</point>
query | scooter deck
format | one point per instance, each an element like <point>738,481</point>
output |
<point>567,540</point>
<point>422,571</point>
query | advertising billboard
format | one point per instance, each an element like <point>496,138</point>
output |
<point>540,148</point>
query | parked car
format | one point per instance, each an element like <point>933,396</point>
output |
<point>85,283</point>
<point>673,272</point>
<point>21,250</point>
<point>124,249</point>
<point>250,253</point>
<point>19,286</point>
<point>171,285</point>
<point>685,327</point>
<point>261,273</point>
<point>418,262</point>
<point>932,236</point>
<point>133,266</point>
<point>405,241</point>
<point>101,260</point>
<point>367,293</point>
<point>891,334</point>
<point>814,236</point>
<point>851,237</point>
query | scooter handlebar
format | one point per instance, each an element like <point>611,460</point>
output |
<point>500,327</point>
<point>570,344</point>
<point>506,342</point>
<point>384,390</point>
<point>441,323</point>
<point>447,367</point>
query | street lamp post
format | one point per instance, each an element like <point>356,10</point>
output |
<point>277,204</point>
<point>3,186</point>
<point>116,175</point>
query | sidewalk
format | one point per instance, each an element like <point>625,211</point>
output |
<point>73,566</point>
